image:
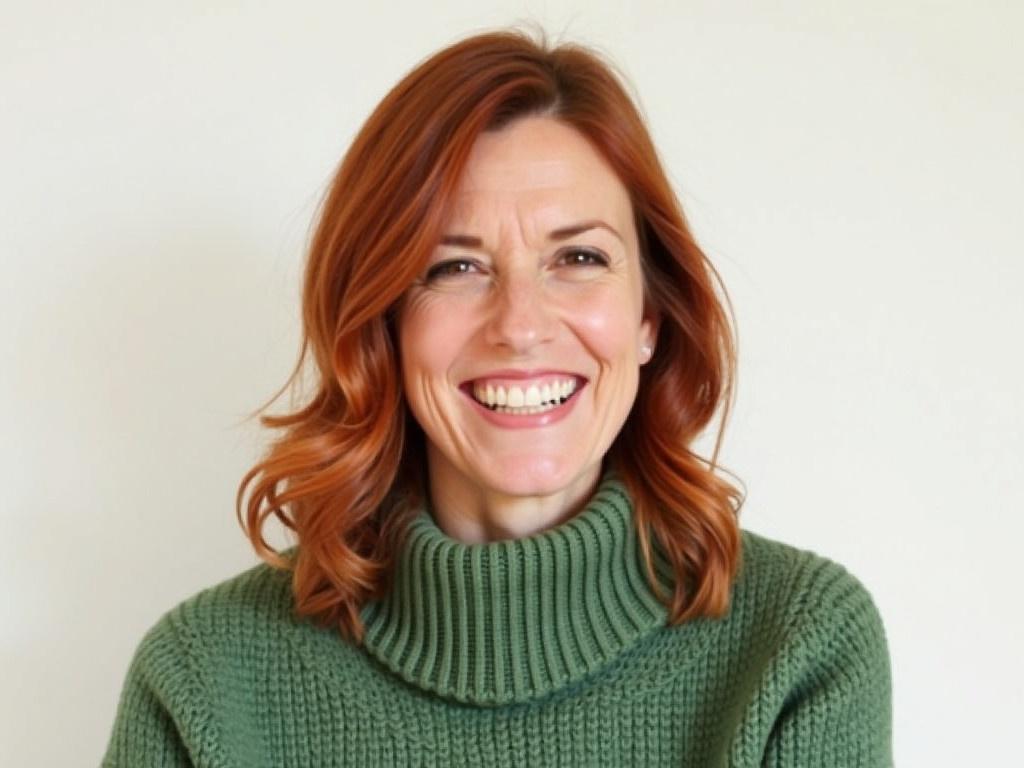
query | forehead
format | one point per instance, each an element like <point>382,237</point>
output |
<point>538,166</point>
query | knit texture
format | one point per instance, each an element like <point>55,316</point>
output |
<point>550,650</point>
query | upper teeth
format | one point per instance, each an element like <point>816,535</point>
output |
<point>517,397</point>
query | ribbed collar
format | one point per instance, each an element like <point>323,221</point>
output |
<point>508,621</point>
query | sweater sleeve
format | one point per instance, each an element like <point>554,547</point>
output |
<point>158,708</point>
<point>839,712</point>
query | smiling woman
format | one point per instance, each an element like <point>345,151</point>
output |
<point>522,365</point>
<point>507,552</point>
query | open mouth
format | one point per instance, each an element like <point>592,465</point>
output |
<point>527,398</point>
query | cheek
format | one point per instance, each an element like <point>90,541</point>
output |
<point>608,323</point>
<point>430,338</point>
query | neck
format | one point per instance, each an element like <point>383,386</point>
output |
<point>508,621</point>
<point>470,513</point>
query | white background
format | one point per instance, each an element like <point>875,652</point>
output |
<point>854,169</point>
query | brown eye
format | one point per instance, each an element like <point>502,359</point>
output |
<point>449,268</point>
<point>584,258</point>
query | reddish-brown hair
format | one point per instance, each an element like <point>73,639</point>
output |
<point>348,471</point>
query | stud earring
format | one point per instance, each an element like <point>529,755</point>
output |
<point>645,352</point>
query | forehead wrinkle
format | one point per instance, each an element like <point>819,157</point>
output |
<point>541,195</point>
<point>503,222</point>
<point>534,222</point>
<point>526,219</point>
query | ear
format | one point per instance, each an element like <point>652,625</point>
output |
<point>649,331</point>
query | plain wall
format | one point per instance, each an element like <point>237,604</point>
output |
<point>853,169</point>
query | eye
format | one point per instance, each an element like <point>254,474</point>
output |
<point>450,268</point>
<point>583,257</point>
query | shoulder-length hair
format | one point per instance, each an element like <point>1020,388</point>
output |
<point>348,471</point>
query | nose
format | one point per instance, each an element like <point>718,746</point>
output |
<point>521,316</point>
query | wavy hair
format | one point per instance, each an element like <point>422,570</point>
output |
<point>348,471</point>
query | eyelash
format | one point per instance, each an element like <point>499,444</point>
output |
<point>438,270</point>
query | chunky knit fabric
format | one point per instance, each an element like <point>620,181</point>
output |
<point>550,650</point>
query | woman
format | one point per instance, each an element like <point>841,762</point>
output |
<point>507,553</point>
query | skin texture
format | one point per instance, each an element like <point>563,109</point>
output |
<point>519,300</point>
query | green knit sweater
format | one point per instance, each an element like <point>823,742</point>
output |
<point>545,650</point>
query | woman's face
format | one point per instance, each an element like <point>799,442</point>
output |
<point>533,295</point>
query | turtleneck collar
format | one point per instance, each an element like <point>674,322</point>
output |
<point>508,621</point>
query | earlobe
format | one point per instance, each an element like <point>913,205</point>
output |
<point>648,333</point>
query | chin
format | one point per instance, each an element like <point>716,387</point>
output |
<point>533,478</point>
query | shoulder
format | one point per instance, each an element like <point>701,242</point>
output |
<point>824,676</point>
<point>815,600</point>
<point>222,616</point>
<point>811,581</point>
<point>194,669</point>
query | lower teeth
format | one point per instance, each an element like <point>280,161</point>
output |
<point>525,411</point>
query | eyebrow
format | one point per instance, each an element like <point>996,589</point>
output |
<point>562,233</point>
